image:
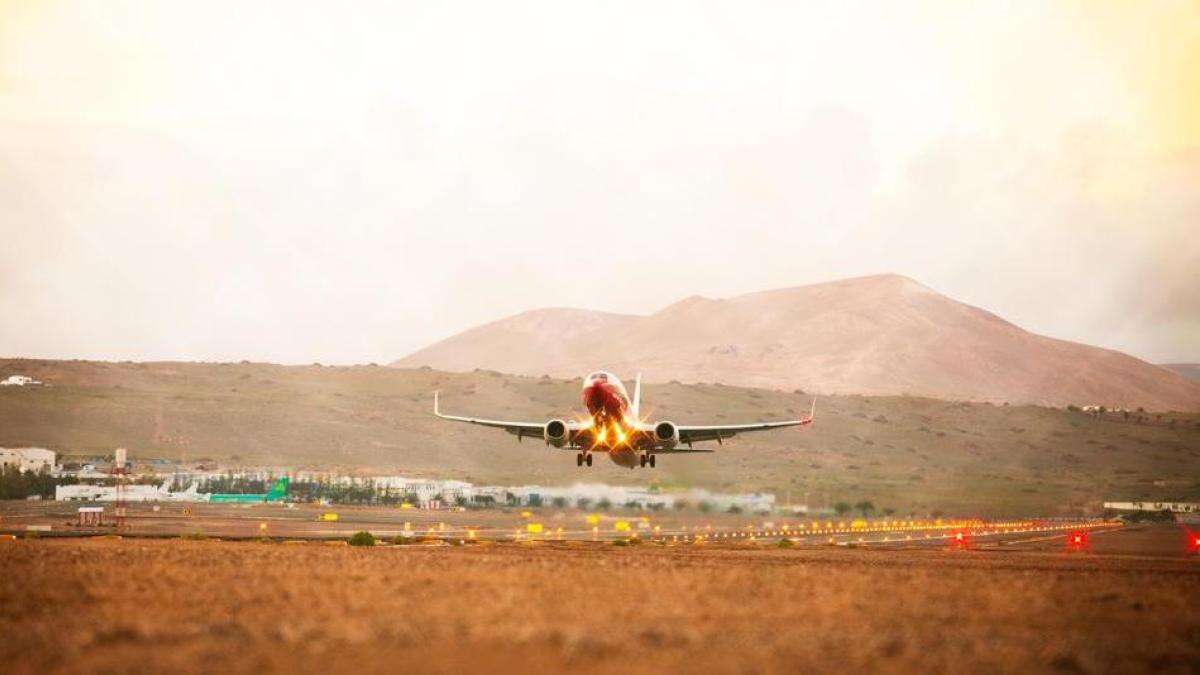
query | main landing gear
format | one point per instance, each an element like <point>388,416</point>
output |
<point>647,459</point>
<point>583,458</point>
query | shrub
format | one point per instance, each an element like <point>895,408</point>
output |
<point>786,543</point>
<point>362,538</point>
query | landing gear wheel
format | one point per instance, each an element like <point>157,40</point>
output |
<point>579,459</point>
<point>588,459</point>
<point>651,460</point>
<point>642,459</point>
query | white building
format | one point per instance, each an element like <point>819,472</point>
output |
<point>1174,507</point>
<point>86,493</point>
<point>17,381</point>
<point>591,495</point>
<point>27,459</point>
<point>425,489</point>
<point>133,493</point>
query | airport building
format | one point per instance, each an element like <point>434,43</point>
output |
<point>432,492</point>
<point>591,495</point>
<point>132,493</point>
<point>425,489</point>
<point>18,381</point>
<point>1173,507</point>
<point>28,459</point>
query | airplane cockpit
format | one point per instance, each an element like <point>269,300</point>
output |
<point>600,376</point>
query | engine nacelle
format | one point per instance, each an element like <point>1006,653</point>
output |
<point>556,433</point>
<point>666,435</point>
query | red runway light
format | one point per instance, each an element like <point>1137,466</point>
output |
<point>1077,541</point>
<point>961,540</point>
<point>1193,541</point>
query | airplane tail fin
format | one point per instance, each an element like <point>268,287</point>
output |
<point>278,490</point>
<point>637,395</point>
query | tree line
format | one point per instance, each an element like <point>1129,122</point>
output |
<point>17,484</point>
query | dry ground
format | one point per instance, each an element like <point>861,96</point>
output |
<point>188,606</point>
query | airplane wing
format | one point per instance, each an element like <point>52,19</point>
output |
<point>695,434</point>
<point>518,429</point>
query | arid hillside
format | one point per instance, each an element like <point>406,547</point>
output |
<point>1189,370</point>
<point>905,453</point>
<point>881,335</point>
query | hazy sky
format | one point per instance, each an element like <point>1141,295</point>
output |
<point>346,182</point>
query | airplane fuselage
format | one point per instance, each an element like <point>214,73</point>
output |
<point>605,397</point>
<point>608,404</point>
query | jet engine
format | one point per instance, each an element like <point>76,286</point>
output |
<point>666,434</point>
<point>555,433</point>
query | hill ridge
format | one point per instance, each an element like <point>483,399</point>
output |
<point>884,334</point>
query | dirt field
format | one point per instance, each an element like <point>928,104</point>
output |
<point>88,605</point>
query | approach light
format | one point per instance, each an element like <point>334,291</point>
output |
<point>961,540</point>
<point>1077,541</point>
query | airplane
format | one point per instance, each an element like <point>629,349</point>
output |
<point>614,426</point>
<point>191,494</point>
<point>277,492</point>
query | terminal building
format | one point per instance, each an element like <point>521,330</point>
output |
<point>1173,507</point>
<point>434,492</point>
<point>27,459</point>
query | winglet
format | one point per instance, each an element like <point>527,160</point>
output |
<point>812,414</point>
<point>436,411</point>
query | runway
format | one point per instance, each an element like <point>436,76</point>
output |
<point>388,524</point>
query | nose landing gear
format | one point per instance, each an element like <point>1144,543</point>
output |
<point>583,458</point>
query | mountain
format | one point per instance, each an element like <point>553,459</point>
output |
<point>878,335</point>
<point>1189,370</point>
<point>904,452</point>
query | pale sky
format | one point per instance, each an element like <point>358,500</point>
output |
<point>348,182</point>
